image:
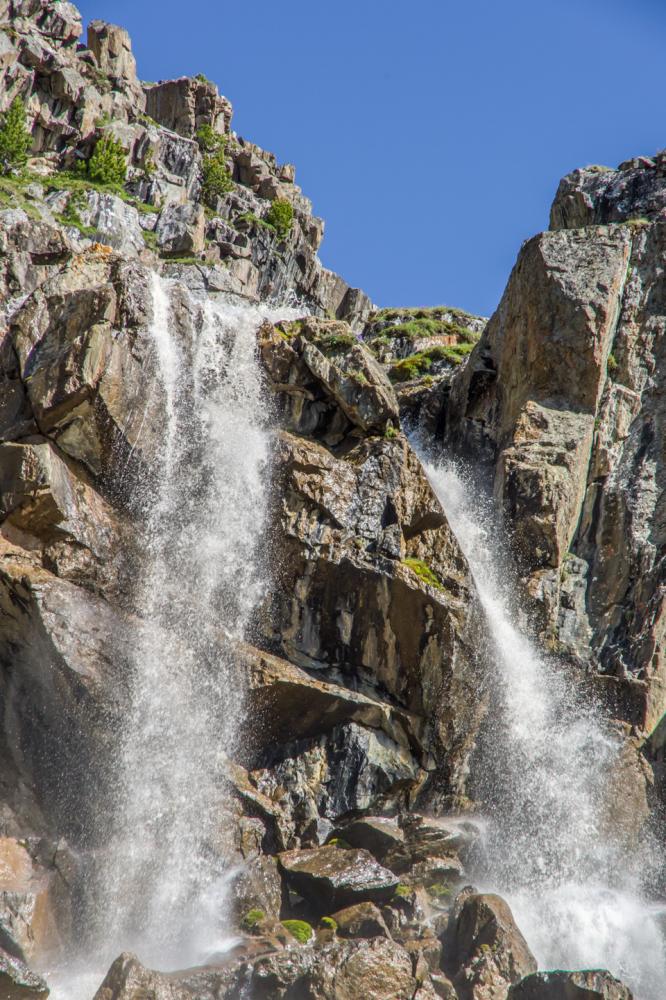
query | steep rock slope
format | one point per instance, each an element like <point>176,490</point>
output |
<point>563,401</point>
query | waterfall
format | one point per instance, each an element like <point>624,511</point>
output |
<point>163,886</point>
<point>574,887</point>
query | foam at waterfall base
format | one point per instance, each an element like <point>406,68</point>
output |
<point>578,894</point>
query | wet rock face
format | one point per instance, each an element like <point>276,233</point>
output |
<point>331,877</point>
<point>17,982</point>
<point>373,587</point>
<point>589,985</point>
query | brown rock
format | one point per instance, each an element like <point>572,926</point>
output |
<point>484,950</point>
<point>331,877</point>
<point>589,985</point>
<point>184,105</point>
<point>17,982</point>
<point>363,920</point>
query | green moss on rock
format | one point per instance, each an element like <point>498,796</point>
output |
<point>252,919</point>
<point>424,572</point>
<point>299,929</point>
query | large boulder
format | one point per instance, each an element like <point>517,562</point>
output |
<point>180,229</point>
<point>82,349</point>
<point>308,353</point>
<point>112,49</point>
<point>595,984</point>
<point>333,877</point>
<point>363,920</point>
<point>185,104</point>
<point>376,970</point>
<point>484,950</point>
<point>114,222</point>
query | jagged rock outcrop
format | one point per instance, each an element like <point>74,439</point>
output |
<point>373,588</point>
<point>562,399</point>
<point>76,94</point>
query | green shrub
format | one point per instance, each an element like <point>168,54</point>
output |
<point>107,165</point>
<point>329,923</point>
<point>612,363</point>
<point>299,929</point>
<point>404,891</point>
<point>423,571</point>
<point>209,140</point>
<point>252,919</point>
<point>281,217</point>
<point>15,139</point>
<point>390,432</point>
<point>216,178</point>
<point>202,78</point>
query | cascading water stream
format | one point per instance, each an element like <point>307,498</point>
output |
<point>551,850</point>
<point>162,887</point>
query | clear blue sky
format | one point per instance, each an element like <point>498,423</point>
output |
<point>429,134</point>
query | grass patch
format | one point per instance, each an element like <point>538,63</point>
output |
<point>424,573</point>
<point>12,194</point>
<point>335,343</point>
<point>299,929</point>
<point>404,891</point>
<point>419,364</point>
<point>250,219</point>
<point>150,239</point>
<point>611,364</point>
<point>430,312</point>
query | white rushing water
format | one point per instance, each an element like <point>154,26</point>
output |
<point>163,887</point>
<point>551,850</point>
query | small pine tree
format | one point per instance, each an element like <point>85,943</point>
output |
<point>108,165</point>
<point>15,139</point>
<point>281,217</point>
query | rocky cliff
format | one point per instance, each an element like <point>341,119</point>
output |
<point>354,825</point>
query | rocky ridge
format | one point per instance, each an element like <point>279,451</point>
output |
<point>355,831</point>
